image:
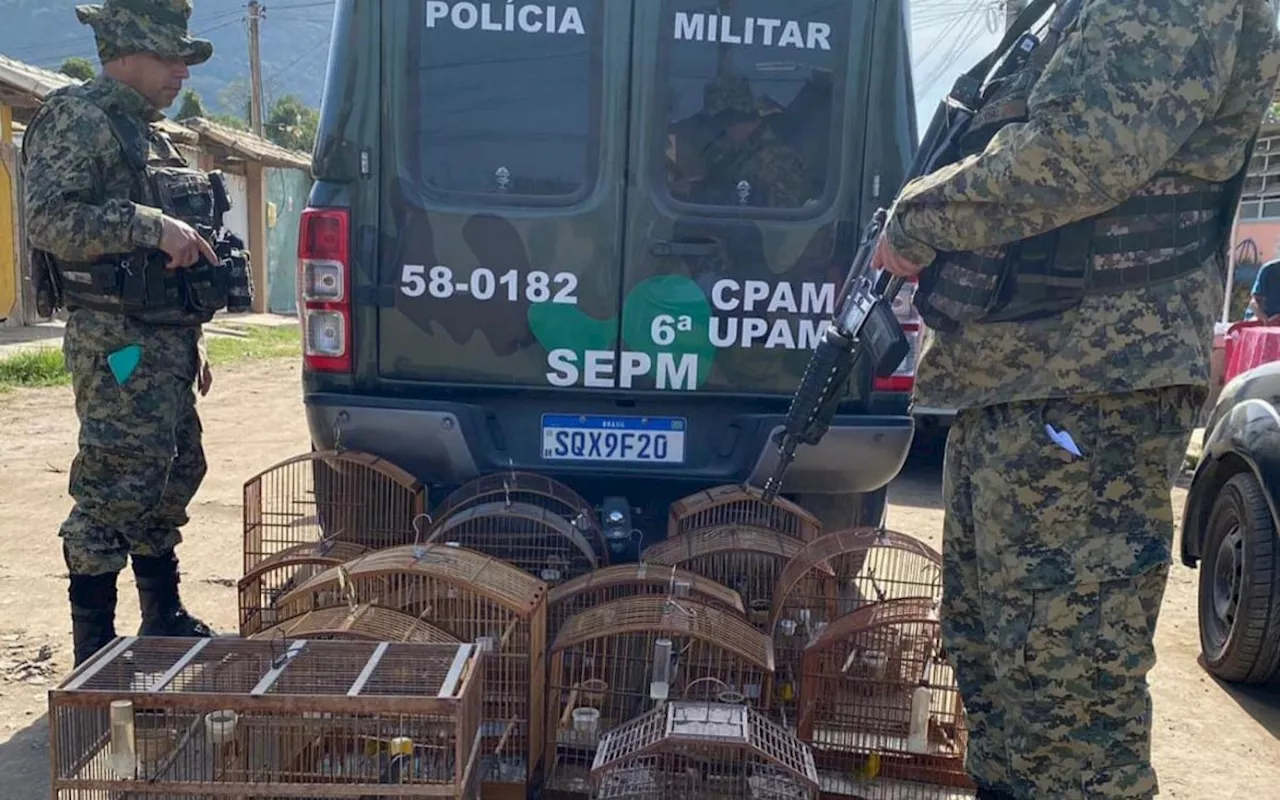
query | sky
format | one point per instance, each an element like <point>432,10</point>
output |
<point>948,37</point>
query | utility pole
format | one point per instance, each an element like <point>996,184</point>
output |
<point>1011,10</point>
<point>255,68</point>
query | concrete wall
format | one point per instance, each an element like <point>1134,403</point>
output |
<point>287,191</point>
<point>10,271</point>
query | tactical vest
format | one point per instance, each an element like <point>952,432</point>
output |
<point>139,284</point>
<point>1167,229</point>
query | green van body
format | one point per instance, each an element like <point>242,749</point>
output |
<point>597,239</point>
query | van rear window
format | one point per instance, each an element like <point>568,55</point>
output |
<point>507,97</point>
<point>751,90</point>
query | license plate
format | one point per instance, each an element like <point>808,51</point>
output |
<point>633,440</point>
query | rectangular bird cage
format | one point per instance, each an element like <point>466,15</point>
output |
<point>837,574</point>
<point>613,662</point>
<point>316,510</point>
<point>879,706</point>
<point>630,580</point>
<point>747,559</point>
<point>474,598</point>
<point>161,717</point>
<point>735,504</point>
<point>702,751</point>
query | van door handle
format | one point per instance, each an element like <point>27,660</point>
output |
<point>690,248</point>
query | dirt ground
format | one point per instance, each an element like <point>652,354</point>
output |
<point>1210,743</point>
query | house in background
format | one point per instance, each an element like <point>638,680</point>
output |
<point>267,183</point>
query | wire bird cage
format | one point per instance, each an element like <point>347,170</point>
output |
<point>880,708</point>
<point>834,575</point>
<point>628,580</point>
<point>610,663</point>
<point>166,718</point>
<point>364,622</point>
<point>736,504</point>
<point>532,489</point>
<point>316,510</point>
<point>475,598</point>
<point>746,559</point>
<point>702,751</point>
<point>536,540</point>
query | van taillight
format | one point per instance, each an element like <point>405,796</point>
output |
<point>324,289</point>
<point>904,378</point>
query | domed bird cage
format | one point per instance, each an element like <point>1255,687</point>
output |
<point>317,510</point>
<point>540,542</point>
<point>613,662</point>
<point>531,489</point>
<point>475,598</point>
<point>630,580</point>
<point>879,706</point>
<point>362,622</point>
<point>746,559</point>
<point>834,575</point>
<point>702,751</point>
<point>736,504</point>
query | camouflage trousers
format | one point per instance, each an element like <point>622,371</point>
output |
<point>141,457</point>
<point>1054,568</point>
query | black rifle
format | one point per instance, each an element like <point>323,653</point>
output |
<point>864,327</point>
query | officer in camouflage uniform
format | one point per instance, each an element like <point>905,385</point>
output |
<point>1057,551</point>
<point>140,459</point>
<point>744,161</point>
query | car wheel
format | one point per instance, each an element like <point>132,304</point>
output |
<point>1240,586</point>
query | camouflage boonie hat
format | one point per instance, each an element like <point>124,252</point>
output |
<point>125,27</point>
<point>729,93</point>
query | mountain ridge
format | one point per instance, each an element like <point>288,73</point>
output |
<point>294,45</point>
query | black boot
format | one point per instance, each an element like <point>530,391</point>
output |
<point>162,610</point>
<point>93,613</point>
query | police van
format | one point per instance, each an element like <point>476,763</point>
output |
<point>598,239</point>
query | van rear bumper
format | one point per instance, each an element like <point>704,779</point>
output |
<point>450,443</point>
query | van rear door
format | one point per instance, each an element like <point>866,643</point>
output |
<point>505,131</point>
<point>746,168</point>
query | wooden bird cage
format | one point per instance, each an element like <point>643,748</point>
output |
<point>316,506</point>
<point>540,542</point>
<point>362,623</point>
<point>702,751</point>
<point>266,583</point>
<point>858,680</point>
<point>737,504</point>
<point>629,580</point>
<point>834,575</point>
<point>607,664</point>
<point>473,597</point>
<point>746,559</point>
<point>531,489</point>
<point>169,717</point>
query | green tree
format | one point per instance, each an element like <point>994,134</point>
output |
<point>292,124</point>
<point>192,106</point>
<point>78,68</point>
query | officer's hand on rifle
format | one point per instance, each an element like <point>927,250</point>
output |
<point>885,257</point>
<point>183,245</point>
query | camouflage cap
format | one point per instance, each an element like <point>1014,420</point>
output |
<point>729,93</point>
<point>123,27</point>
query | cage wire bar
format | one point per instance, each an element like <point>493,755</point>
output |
<point>630,580</point>
<point>476,598</point>
<point>833,575</point>
<point>860,678</point>
<point>314,510</point>
<point>536,540</point>
<point>702,751</point>
<point>172,717</point>
<point>364,622</point>
<point>608,664</point>
<point>735,504</point>
<point>532,489</point>
<point>747,559</point>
